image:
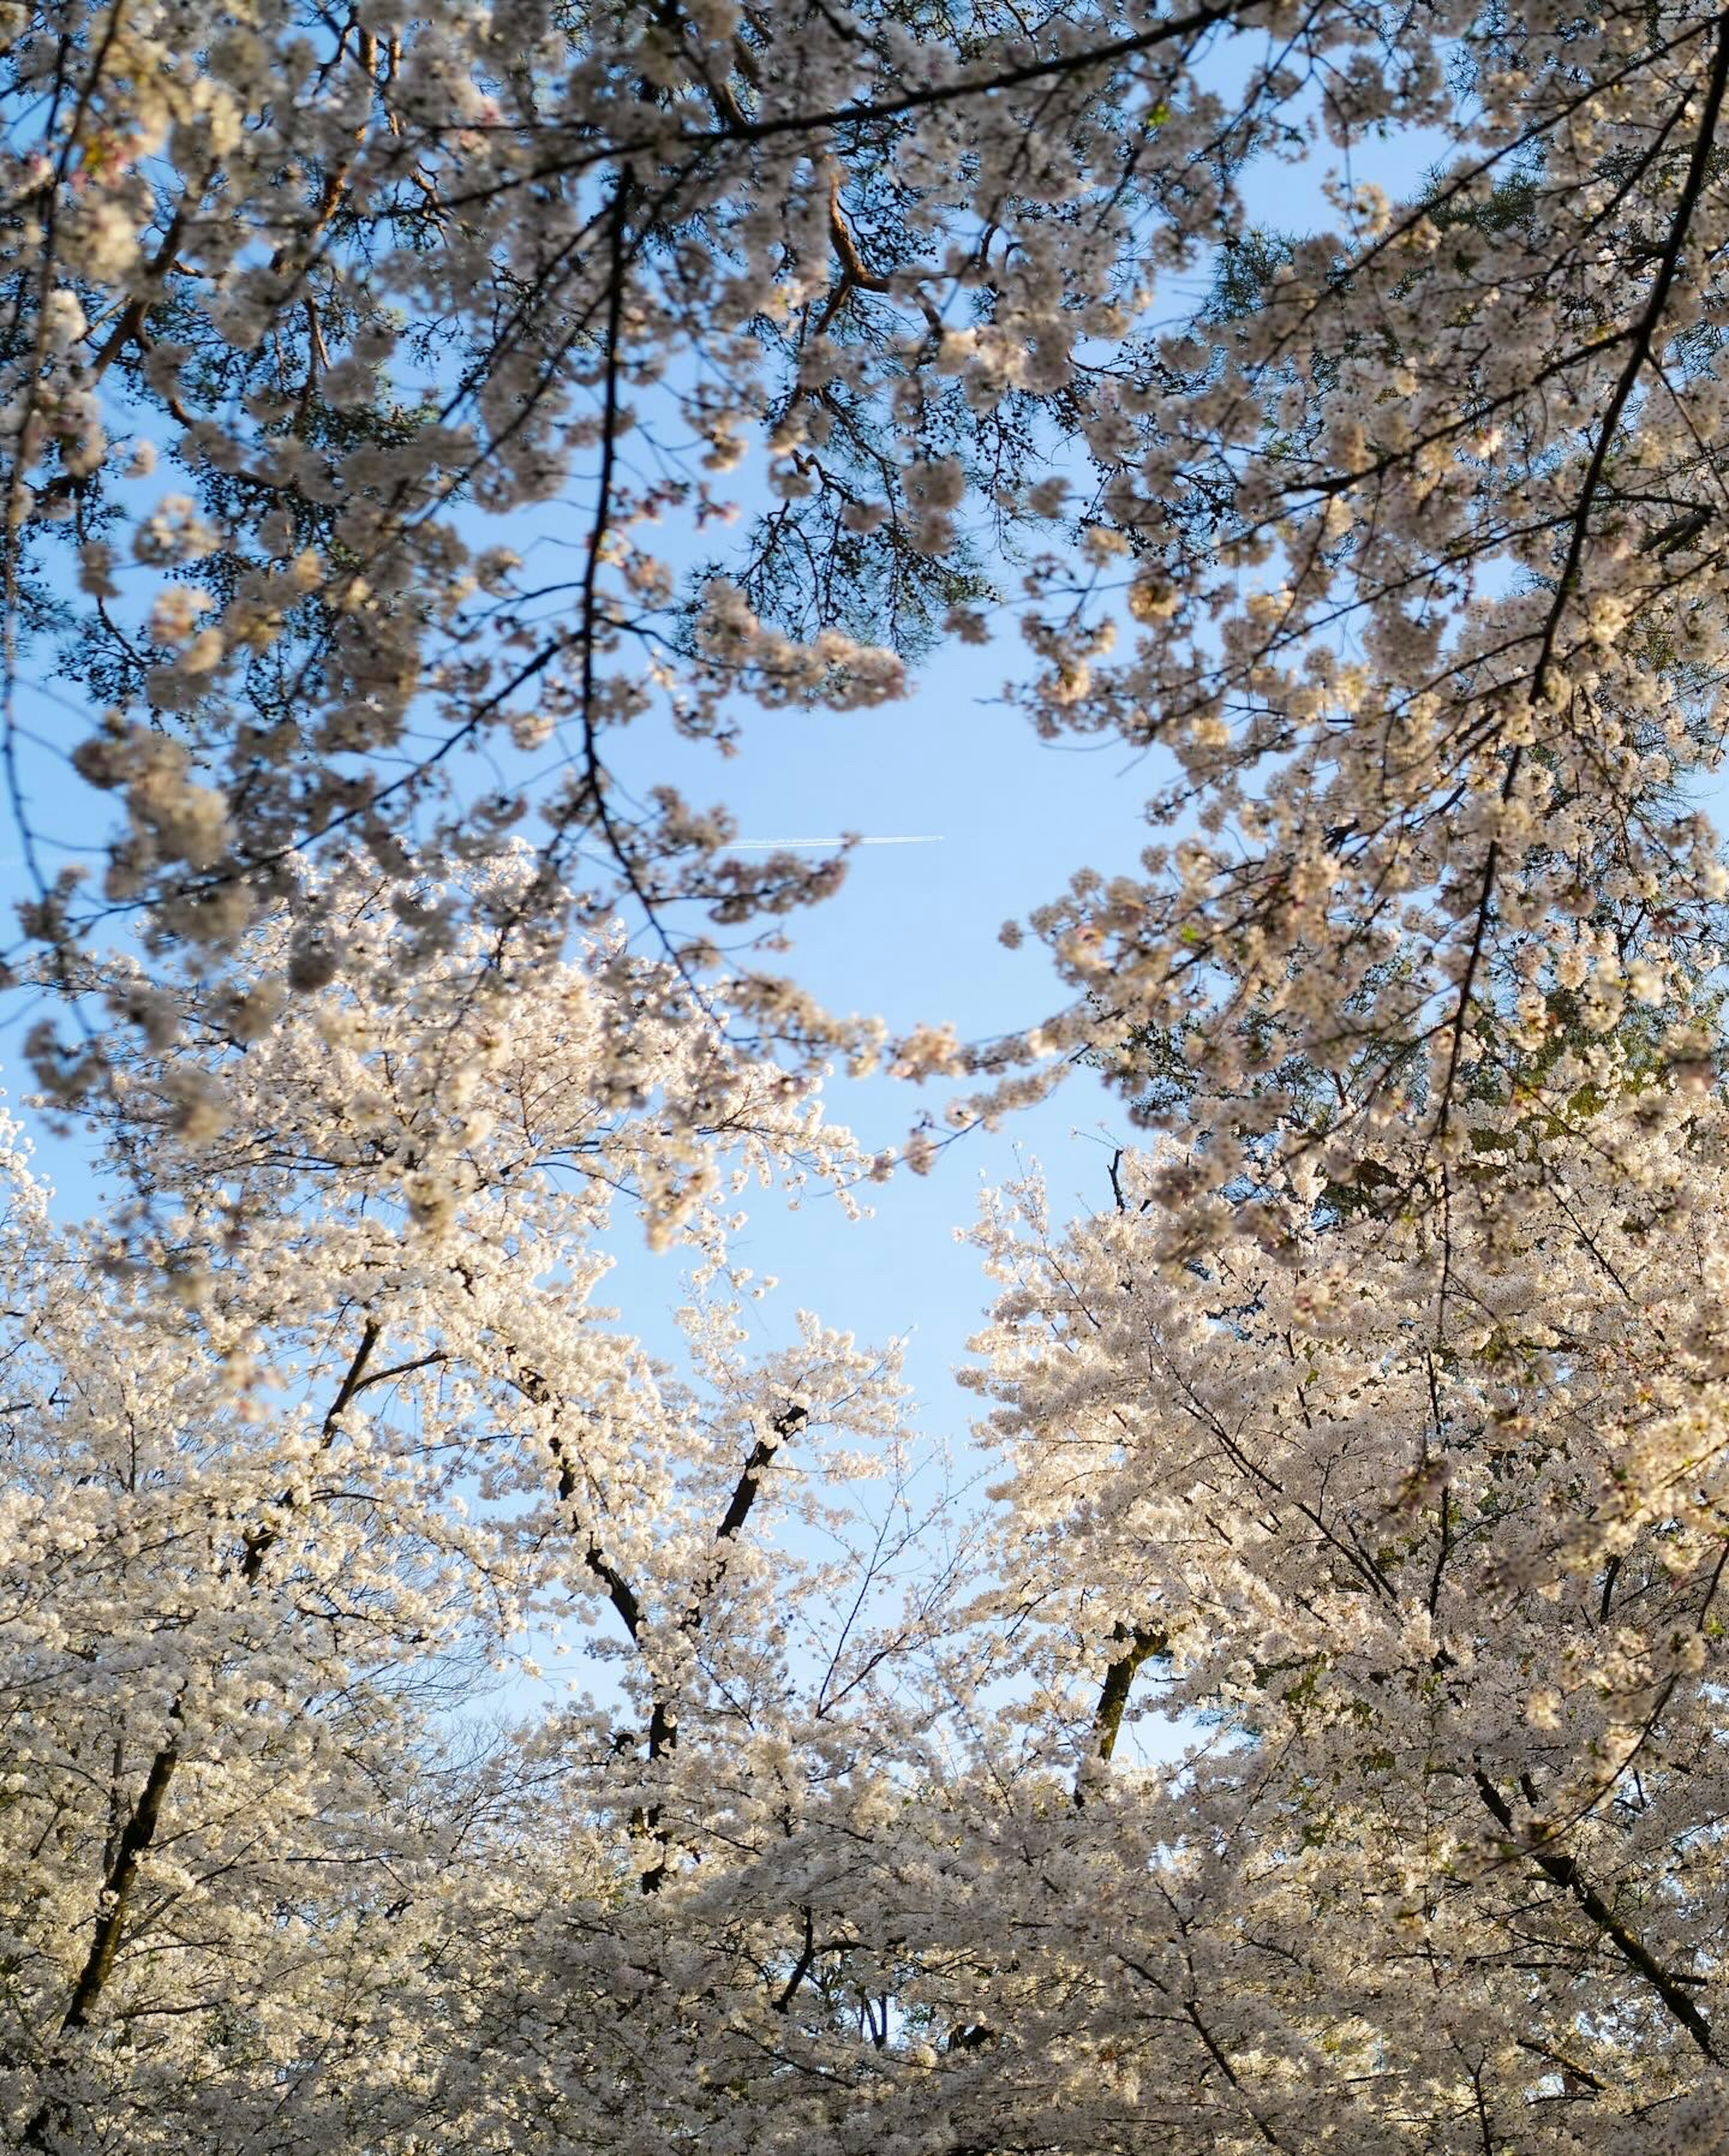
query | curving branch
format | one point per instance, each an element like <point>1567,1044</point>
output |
<point>1143,1645</point>
<point>1564,1872</point>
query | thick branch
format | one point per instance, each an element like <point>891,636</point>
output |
<point>785,1425</point>
<point>1564,1872</point>
<point>1142,1646</point>
<point>1705,149</point>
<point>113,1905</point>
<point>1221,2058</point>
<point>259,1542</point>
<point>134,1839</point>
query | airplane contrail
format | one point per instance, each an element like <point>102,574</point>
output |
<point>911,838</point>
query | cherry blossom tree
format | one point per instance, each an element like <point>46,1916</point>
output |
<point>1314,1739</point>
<point>332,1430</point>
<point>1402,541</point>
<point>1424,1521</point>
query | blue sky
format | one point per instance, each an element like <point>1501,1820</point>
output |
<point>913,934</point>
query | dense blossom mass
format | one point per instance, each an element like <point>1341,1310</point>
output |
<point>325,1452</point>
<point>1308,1734</point>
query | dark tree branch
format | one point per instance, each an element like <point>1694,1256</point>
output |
<point>1564,1872</point>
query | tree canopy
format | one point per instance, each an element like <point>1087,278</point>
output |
<point>1308,1733</point>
